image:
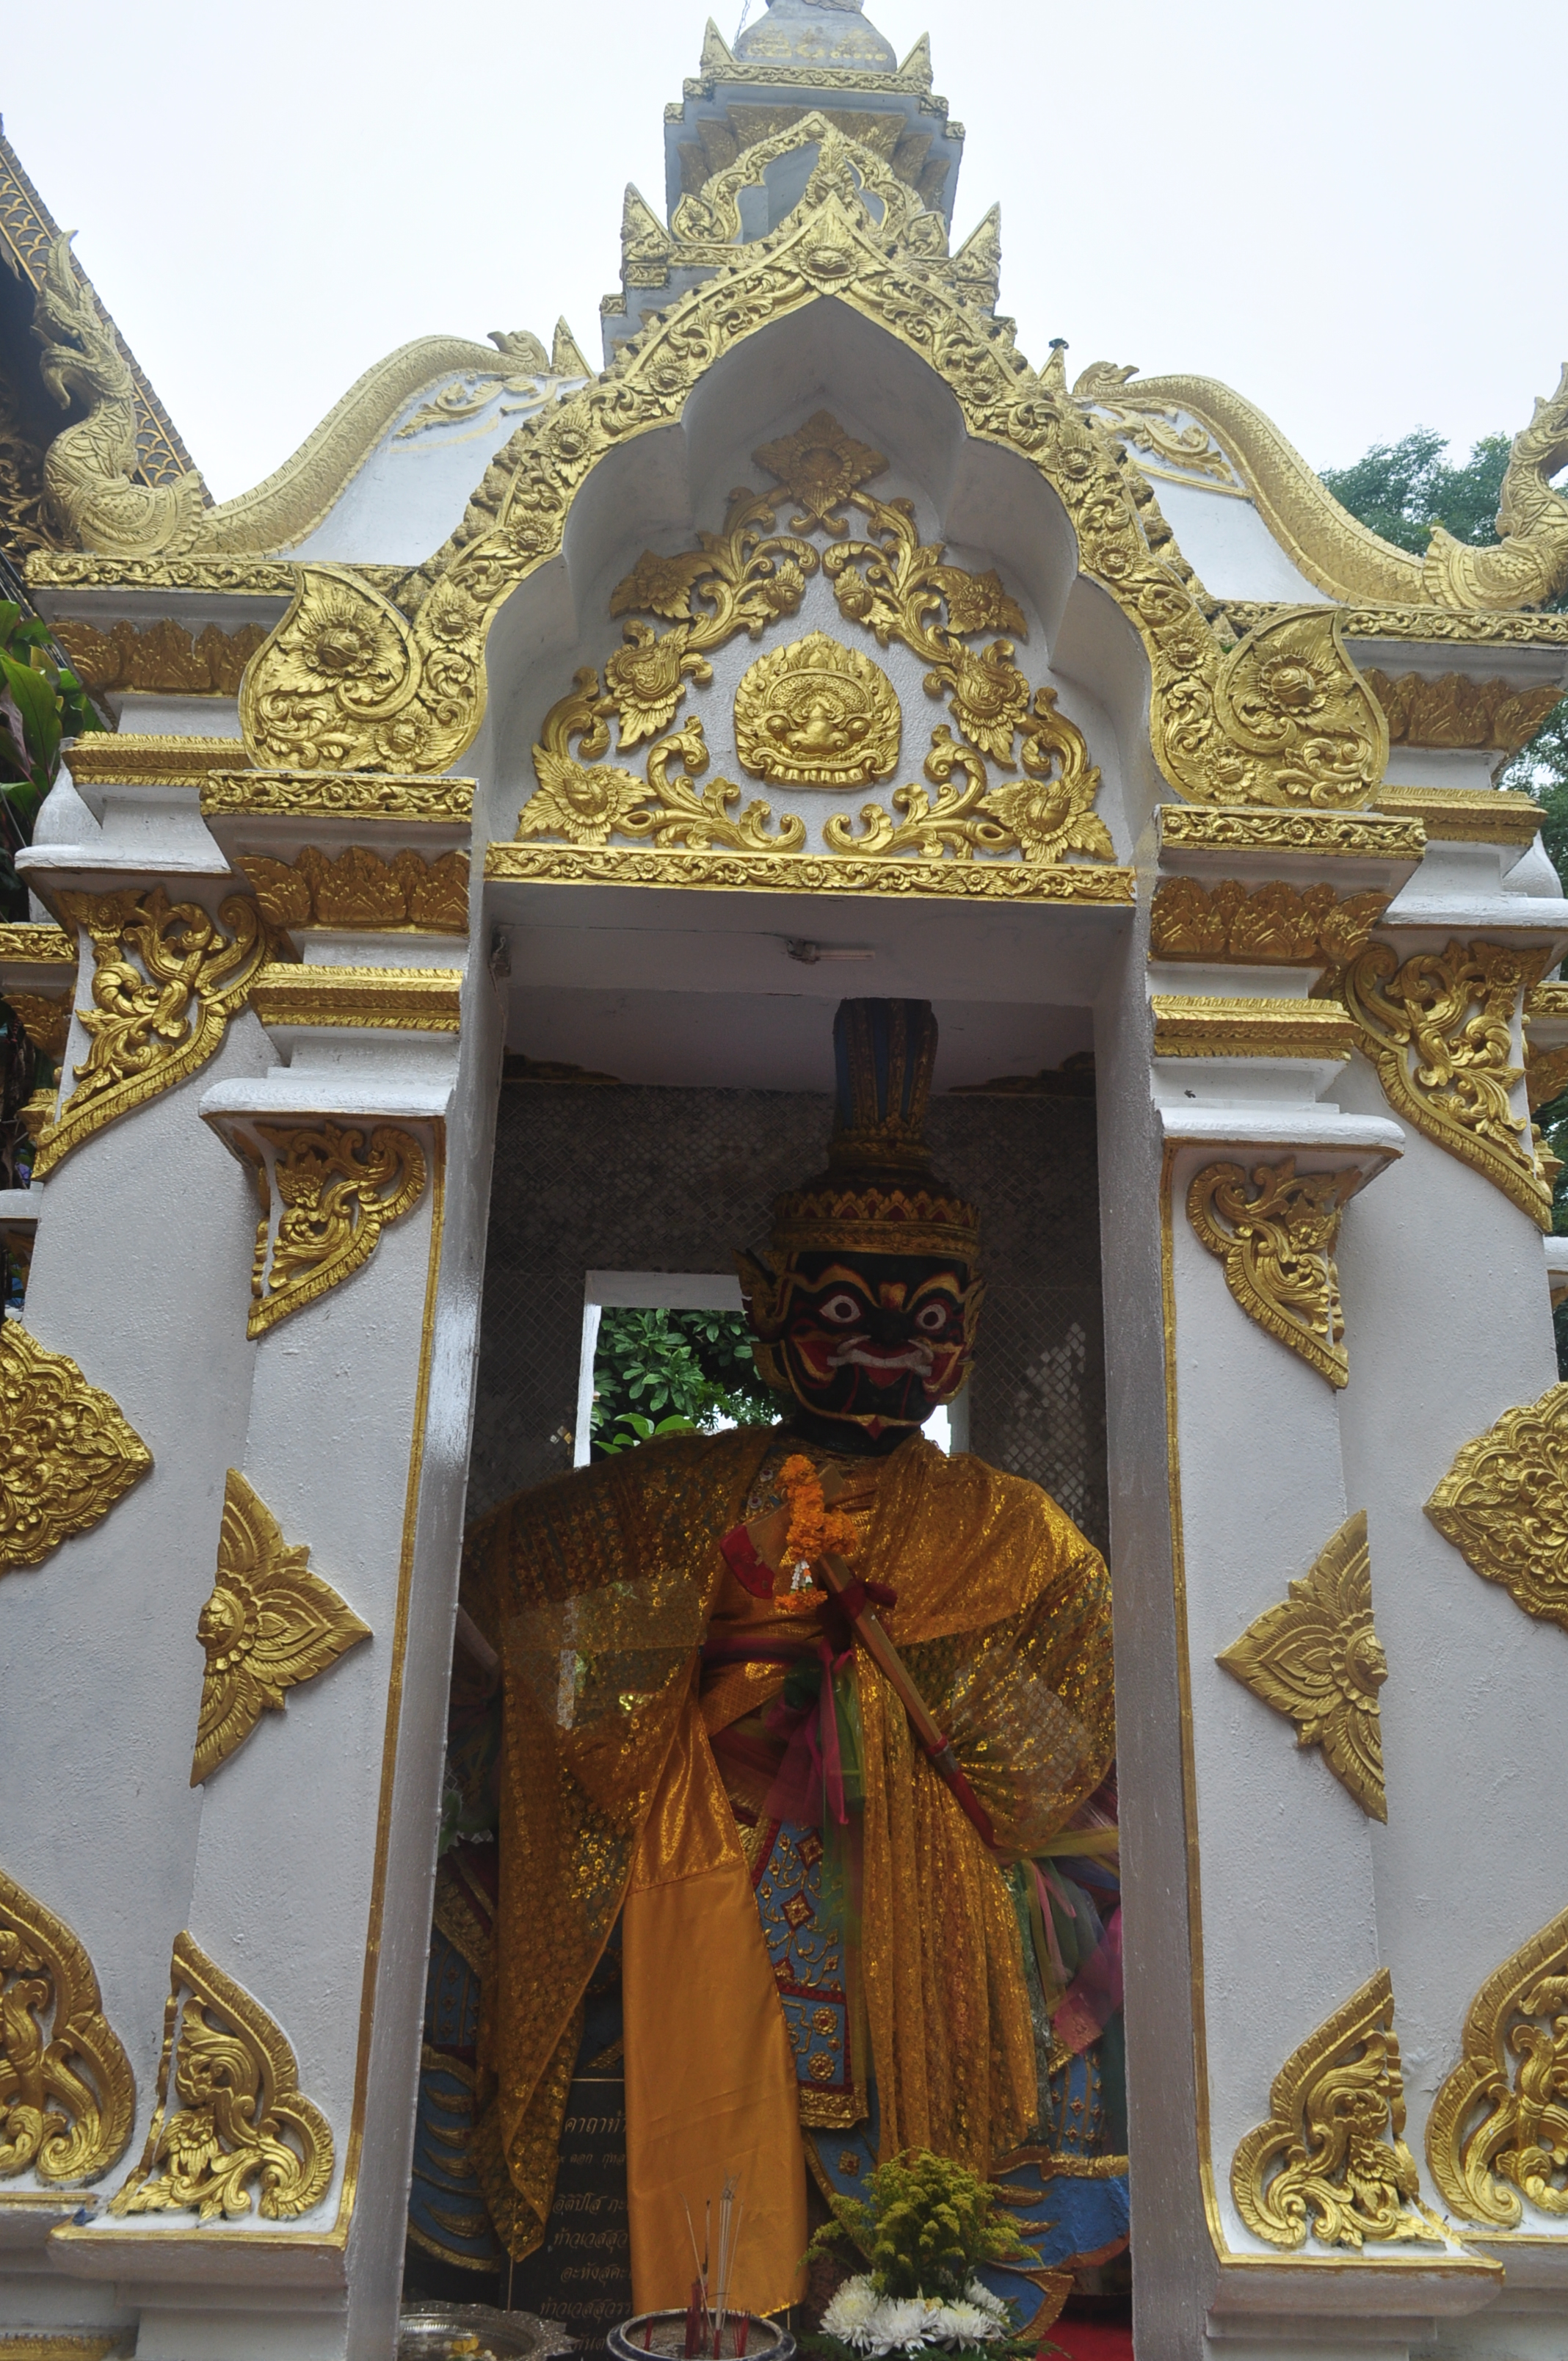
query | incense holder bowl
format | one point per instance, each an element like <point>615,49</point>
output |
<point>665,2333</point>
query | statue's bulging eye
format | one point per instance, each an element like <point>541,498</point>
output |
<point>841,1309</point>
<point>932,1318</point>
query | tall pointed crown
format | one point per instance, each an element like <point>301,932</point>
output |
<point>879,1194</point>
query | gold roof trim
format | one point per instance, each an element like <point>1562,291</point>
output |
<point>1447,625</point>
<point>781,872</point>
<point>1197,1025</point>
<point>410,999</point>
<point>1342,557</point>
<point>105,759</point>
<point>1465,815</point>
<point>1359,836</point>
<point>235,578</point>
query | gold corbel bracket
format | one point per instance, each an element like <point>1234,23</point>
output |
<point>1498,2131</point>
<point>327,1189</point>
<point>65,2081</point>
<point>1274,1232</point>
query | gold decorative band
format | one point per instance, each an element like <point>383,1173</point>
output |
<point>105,758</point>
<point>338,795</point>
<point>1465,815</point>
<point>409,999</point>
<point>1195,1025</point>
<point>760,872</point>
<point>36,945</point>
<point>1359,836</point>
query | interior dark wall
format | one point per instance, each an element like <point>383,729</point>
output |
<point>624,1178</point>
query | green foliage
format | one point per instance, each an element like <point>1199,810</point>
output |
<point>925,2226</point>
<point>692,1367</point>
<point>1401,489</point>
<point>40,703</point>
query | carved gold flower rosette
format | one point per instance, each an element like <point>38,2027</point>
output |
<point>269,1625</point>
<point>1503,1505</point>
<point>1497,2133</point>
<point>1331,2160</point>
<point>67,2096</point>
<point>244,2131</point>
<point>1318,1660</point>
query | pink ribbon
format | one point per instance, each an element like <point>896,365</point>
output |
<point>812,1766</point>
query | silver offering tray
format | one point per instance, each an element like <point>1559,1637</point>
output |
<point>478,2332</point>
<point>665,2333</point>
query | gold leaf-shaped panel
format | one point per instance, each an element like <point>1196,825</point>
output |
<point>269,1625</point>
<point>338,1192</point>
<point>1277,1246</point>
<point>67,2096</point>
<point>66,1453</point>
<point>1503,1505</point>
<point>1318,1660</point>
<point>242,2117</point>
<point>1330,2162</point>
<point>816,714</point>
<point>1498,2128</point>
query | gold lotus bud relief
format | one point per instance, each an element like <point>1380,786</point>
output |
<point>816,714</point>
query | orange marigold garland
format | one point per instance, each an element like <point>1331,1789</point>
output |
<point>814,1529</point>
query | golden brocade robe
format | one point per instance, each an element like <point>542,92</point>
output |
<point>597,1591</point>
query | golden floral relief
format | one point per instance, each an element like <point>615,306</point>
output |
<point>1440,1030</point>
<point>1272,925</point>
<point>244,2132</point>
<point>1330,2162</point>
<point>1503,1505</point>
<point>815,714</point>
<point>166,980</point>
<point>269,1625</point>
<point>45,1019</point>
<point>163,657</point>
<point>66,1453</point>
<point>1277,1246</point>
<point>358,889</point>
<point>337,1192</point>
<point>1318,1659</point>
<point>1497,2133</point>
<point>67,2096</point>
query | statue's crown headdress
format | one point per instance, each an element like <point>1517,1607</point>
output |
<point>879,1192</point>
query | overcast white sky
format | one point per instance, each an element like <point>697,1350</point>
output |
<point>1351,210</point>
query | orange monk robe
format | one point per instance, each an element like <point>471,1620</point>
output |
<point>597,1591</point>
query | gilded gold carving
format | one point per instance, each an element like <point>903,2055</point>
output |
<point>1466,815</point>
<point>818,466</point>
<point>164,656</point>
<point>998,881</point>
<point>249,577</point>
<point>1436,626</point>
<point>1322,835</point>
<point>1198,1024</point>
<point>348,681</point>
<point>60,2344</point>
<point>1331,2161</point>
<point>1149,423</point>
<point>1318,1659</point>
<point>1340,557</point>
<point>243,2118</point>
<point>1545,1075</point>
<point>416,999</point>
<point>66,1453</point>
<point>126,758</point>
<point>1273,925</point>
<point>1276,1247</point>
<point>816,714</point>
<point>336,1192</point>
<point>1498,2131</point>
<point>587,805</point>
<point>167,978</point>
<point>1439,1029</point>
<point>67,2096</point>
<point>1454,710</point>
<point>37,943</point>
<point>269,1625</point>
<point>1503,1505</point>
<point>338,794</point>
<point>358,890</point>
<point>46,1020</point>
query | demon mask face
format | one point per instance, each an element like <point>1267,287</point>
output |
<point>864,1307</point>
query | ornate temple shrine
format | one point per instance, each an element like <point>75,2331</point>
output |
<point>533,829</point>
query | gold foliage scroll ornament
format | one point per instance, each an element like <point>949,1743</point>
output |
<point>165,657</point>
<point>1323,2163</point>
<point>67,2097</point>
<point>244,2131</point>
<point>1439,1029</point>
<point>337,1193</point>
<point>269,1625</point>
<point>1503,1505</point>
<point>1277,1246</point>
<point>66,1453</point>
<point>1319,1660</point>
<point>358,889</point>
<point>1277,924</point>
<point>816,715</point>
<point>350,682</point>
<point>1498,2131</point>
<point>167,978</point>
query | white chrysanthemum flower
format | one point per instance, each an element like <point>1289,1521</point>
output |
<point>904,2324</point>
<point>851,2315</point>
<point>968,2324</point>
<point>978,2292</point>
